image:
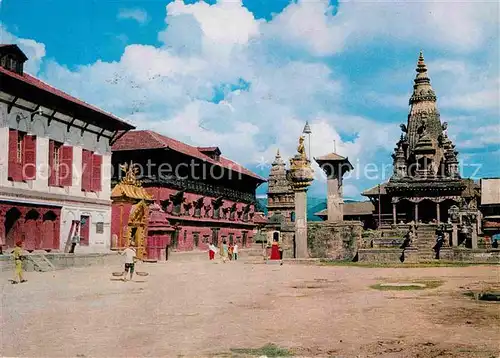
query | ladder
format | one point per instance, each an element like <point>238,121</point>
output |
<point>72,231</point>
<point>41,263</point>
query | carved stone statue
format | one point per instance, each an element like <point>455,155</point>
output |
<point>301,149</point>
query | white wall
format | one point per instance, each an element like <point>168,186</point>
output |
<point>97,242</point>
<point>20,120</point>
<point>100,211</point>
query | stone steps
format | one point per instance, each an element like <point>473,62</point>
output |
<point>41,263</point>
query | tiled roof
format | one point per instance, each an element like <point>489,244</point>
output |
<point>259,218</point>
<point>330,156</point>
<point>146,139</point>
<point>35,82</point>
<point>356,208</point>
<point>375,190</point>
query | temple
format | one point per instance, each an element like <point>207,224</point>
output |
<point>206,197</point>
<point>280,196</point>
<point>55,173</point>
<point>426,181</point>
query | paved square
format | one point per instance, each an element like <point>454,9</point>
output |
<point>201,308</point>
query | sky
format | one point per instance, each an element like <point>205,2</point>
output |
<point>246,76</point>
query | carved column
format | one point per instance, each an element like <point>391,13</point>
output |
<point>3,213</point>
<point>394,214</point>
<point>474,237</point>
<point>454,236</point>
<point>416,213</point>
<point>438,212</point>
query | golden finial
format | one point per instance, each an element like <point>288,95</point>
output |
<point>131,172</point>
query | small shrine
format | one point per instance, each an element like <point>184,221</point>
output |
<point>130,213</point>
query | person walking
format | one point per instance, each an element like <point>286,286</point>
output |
<point>223,251</point>
<point>235,252</point>
<point>18,263</point>
<point>211,251</point>
<point>130,259</point>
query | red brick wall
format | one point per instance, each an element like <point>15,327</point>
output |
<point>185,241</point>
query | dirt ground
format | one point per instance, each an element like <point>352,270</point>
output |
<point>204,309</point>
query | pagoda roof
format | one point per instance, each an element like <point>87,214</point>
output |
<point>130,191</point>
<point>147,139</point>
<point>330,156</point>
<point>375,190</point>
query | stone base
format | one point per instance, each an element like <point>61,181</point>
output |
<point>64,260</point>
<point>480,256</point>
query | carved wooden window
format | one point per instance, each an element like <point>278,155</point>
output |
<point>99,228</point>
<point>20,147</point>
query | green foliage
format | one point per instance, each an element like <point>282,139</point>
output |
<point>269,350</point>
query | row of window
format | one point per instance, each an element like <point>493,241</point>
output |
<point>22,163</point>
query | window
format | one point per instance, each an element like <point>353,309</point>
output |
<point>60,164</point>
<point>91,171</point>
<point>20,147</point>
<point>22,156</point>
<point>99,228</point>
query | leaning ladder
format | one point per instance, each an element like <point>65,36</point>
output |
<point>41,263</point>
<point>72,232</point>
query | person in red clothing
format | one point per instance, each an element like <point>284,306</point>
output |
<point>275,250</point>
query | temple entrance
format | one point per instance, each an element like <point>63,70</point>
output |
<point>276,236</point>
<point>405,211</point>
<point>427,211</point>
<point>12,234</point>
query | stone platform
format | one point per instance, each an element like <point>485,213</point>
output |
<point>63,260</point>
<point>392,255</point>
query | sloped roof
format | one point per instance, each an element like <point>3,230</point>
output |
<point>36,83</point>
<point>130,191</point>
<point>259,218</point>
<point>147,139</point>
<point>331,156</point>
<point>375,190</point>
<point>354,208</point>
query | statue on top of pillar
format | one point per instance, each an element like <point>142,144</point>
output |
<point>301,148</point>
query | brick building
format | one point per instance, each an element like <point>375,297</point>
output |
<point>206,197</point>
<point>55,170</point>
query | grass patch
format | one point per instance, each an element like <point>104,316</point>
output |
<point>400,265</point>
<point>269,350</point>
<point>429,284</point>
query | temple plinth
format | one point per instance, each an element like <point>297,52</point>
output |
<point>300,176</point>
<point>334,166</point>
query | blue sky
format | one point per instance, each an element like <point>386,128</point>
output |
<point>247,75</point>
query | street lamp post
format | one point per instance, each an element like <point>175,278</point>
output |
<point>307,130</point>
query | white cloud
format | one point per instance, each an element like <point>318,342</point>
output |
<point>139,15</point>
<point>456,26</point>
<point>35,51</point>
<point>210,49</point>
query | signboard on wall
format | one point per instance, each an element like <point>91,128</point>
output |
<point>490,191</point>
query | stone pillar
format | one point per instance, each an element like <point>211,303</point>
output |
<point>438,213</point>
<point>454,236</point>
<point>416,213</point>
<point>335,203</point>
<point>474,237</point>
<point>394,214</point>
<point>301,251</point>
